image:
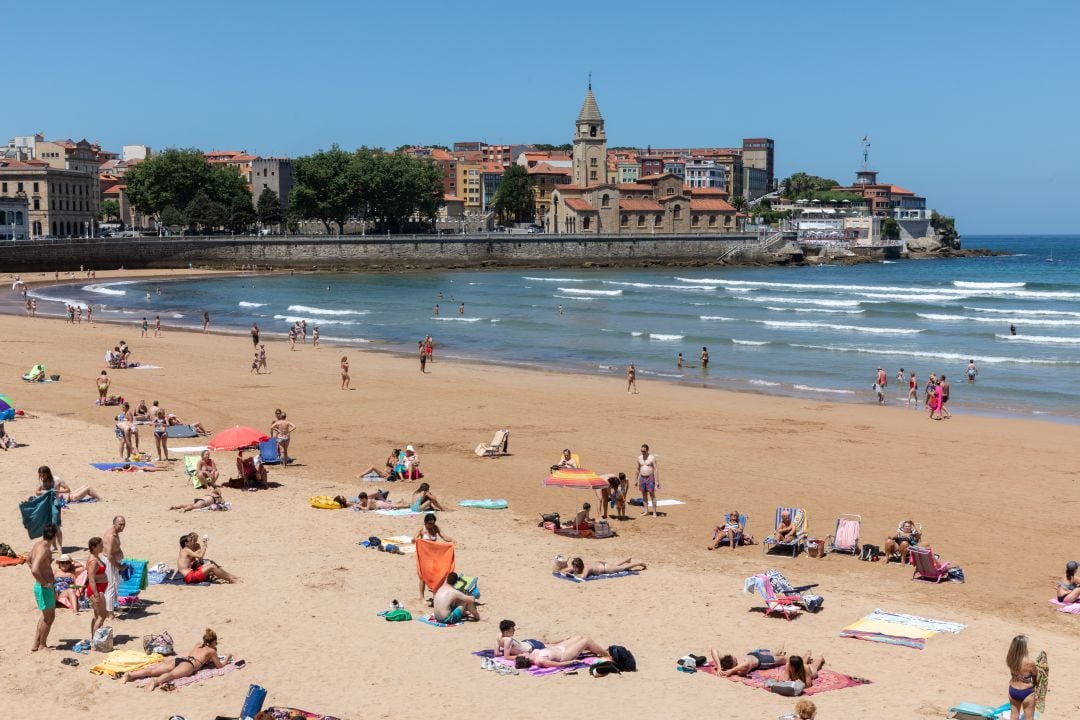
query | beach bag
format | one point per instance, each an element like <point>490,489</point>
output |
<point>103,640</point>
<point>602,529</point>
<point>604,668</point>
<point>399,615</point>
<point>870,553</point>
<point>623,658</point>
<point>956,574</point>
<point>161,644</point>
<point>787,688</point>
<point>552,518</point>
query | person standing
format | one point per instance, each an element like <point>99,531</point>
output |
<point>423,356</point>
<point>44,586</point>
<point>157,326</point>
<point>631,379</point>
<point>205,321</point>
<point>972,371</point>
<point>282,431</point>
<point>461,309</point>
<point>931,383</point>
<point>303,331</point>
<point>145,327</point>
<point>647,479</point>
<point>262,357</point>
<point>942,410</point>
<point>429,347</point>
<point>255,334</point>
<point>882,379</point>
<point>935,401</point>
<point>293,332</point>
<point>114,558</point>
<point>913,391</point>
<point>315,336</point>
<point>704,357</point>
<point>344,372</point>
<point>103,383</point>
<point>435,310</point>
<point>89,314</point>
<point>1022,674</point>
<point>96,584</point>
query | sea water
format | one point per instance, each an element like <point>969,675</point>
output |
<point>813,332</point>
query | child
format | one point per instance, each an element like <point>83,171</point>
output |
<point>255,364</point>
<point>145,327</point>
<point>315,336</point>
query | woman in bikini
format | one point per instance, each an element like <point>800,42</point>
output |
<point>161,432</point>
<point>282,430</point>
<point>344,372</point>
<point>508,646</point>
<point>907,535</point>
<point>125,424</point>
<point>203,654</point>
<point>600,567</point>
<point>96,584</point>
<point>804,671</point>
<point>732,531</point>
<point>64,582</point>
<point>431,532</point>
<point>377,501</point>
<point>207,470</point>
<point>103,383</point>
<point>1068,590</point>
<point>46,481</point>
<point>210,501</point>
<point>388,469</point>
<point>1021,679</point>
<point>560,654</point>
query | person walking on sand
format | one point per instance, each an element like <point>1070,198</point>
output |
<point>882,378</point>
<point>145,327</point>
<point>931,383</point>
<point>344,372</point>
<point>44,586</point>
<point>157,326</point>
<point>315,336</point>
<point>262,357</point>
<point>647,479</point>
<point>303,331</point>
<point>292,337</point>
<point>935,401</point>
<point>423,356</point>
<point>205,321</point>
<point>255,334</point>
<point>114,558</point>
<point>942,410</point>
<point>255,363</point>
<point>89,314</point>
<point>972,371</point>
<point>161,433</point>
<point>631,379</point>
<point>913,391</point>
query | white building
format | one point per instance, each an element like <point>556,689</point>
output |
<point>705,174</point>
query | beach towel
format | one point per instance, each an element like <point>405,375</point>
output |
<point>9,561</point>
<point>188,449</point>
<point>107,466</point>
<point>268,452</point>
<point>372,477</point>
<point>429,619</point>
<point>487,504</point>
<point>827,679</point>
<point>119,662</point>
<point>136,581</point>
<point>871,626</point>
<point>181,431</point>
<point>284,713</point>
<point>1073,608</point>
<point>668,502</point>
<point>397,513</point>
<point>191,466</point>
<point>583,662</point>
<point>605,576</point>
<point>206,672</point>
<point>39,512</point>
<point>434,561</point>
<point>916,621</point>
<point>916,643</point>
<point>143,367</point>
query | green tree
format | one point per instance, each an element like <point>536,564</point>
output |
<point>108,210</point>
<point>946,227</point>
<point>240,213</point>
<point>326,188</point>
<point>269,208</point>
<point>738,202</point>
<point>546,147</point>
<point>205,214</point>
<point>890,229</point>
<point>171,218</point>
<point>173,177</point>
<point>802,186</point>
<point>513,200</point>
<point>394,188</point>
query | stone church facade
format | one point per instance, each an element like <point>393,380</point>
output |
<point>653,204</point>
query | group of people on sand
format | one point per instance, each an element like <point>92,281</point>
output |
<point>935,392</point>
<point>297,331</point>
<point>127,428</point>
<point>618,486</point>
<point>119,357</point>
<point>73,313</point>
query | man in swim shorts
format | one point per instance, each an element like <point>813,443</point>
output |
<point>743,665</point>
<point>44,585</point>
<point>453,606</point>
<point>114,558</point>
<point>193,566</point>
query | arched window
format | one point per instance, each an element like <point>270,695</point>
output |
<point>656,220</point>
<point>712,221</point>
<point>676,212</point>
<point>585,222</point>
<point>695,220</point>
<point>624,220</point>
<point>37,228</point>
<point>605,201</point>
<point>592,131</point>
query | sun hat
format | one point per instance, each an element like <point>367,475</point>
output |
<point>64,558</point>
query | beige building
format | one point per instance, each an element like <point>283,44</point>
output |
<point>653,204</point>
<point>61,202</point>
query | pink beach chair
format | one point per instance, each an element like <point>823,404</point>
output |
<point>927,566</point>
<point>774,603</point>
<point>845,539</point>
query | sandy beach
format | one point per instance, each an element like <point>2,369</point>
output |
<point>995,496</point>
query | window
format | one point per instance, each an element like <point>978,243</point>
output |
<point>592,162</point>
<point>585,223</point>
<point>36,189</point>
<point>592,174</point>
<point>670,191</point>
<point>695,220</point>
<point>624,220</point>
<point>54,232</point>
<point>641,221</point>
<point>18,187</point>
<point>37,203</point>
<point>592,131</point>
<point>605,201</point>
<point>712,221</point>
<point>676,212</point>
<point>3,188</point>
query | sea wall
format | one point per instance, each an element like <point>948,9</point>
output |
<point>360,252</point>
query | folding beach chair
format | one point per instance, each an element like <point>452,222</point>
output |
<point>268,452</point>
<point>191,466</point>
<point>500,445</point>
<point>127,592</point>
<point>926,565</point>
<point>724,540</point>
<point>785,605</point>
<point>845,539</point>
<point>798,519</point>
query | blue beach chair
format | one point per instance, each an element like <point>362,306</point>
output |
<point>798,519</point>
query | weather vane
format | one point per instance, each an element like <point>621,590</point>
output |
<point>866,152</point>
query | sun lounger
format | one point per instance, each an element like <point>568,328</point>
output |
<point>499,446</point>
<point>845,539</point>
<point>973,711</point>
<point>927,566</point>
<point>798,519</point>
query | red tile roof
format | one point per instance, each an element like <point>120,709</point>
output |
<point>897,190</point>
<point>676,196</point>
<point>579,205</point>
<point>653,178</point>
<point>716,192</point>
<point>452,198</point>
<point>640,205</point>
<point>711,204</point>
<point>21,164</point>
<point>543,168</point>
<point>639,187</point>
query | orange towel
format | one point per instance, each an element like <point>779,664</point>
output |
<point>17,560</point>
<point>434,561</point>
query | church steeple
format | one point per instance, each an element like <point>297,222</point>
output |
<point>590,144</point>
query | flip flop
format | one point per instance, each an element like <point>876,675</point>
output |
<point>69,661</point>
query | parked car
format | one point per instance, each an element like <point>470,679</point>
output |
<point>535,229</point>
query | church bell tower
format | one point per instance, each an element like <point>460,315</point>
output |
<point>590,145</point>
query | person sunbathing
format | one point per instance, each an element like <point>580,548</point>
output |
<point>577,568</point>
<point>560,654</point>
<point>210,501</point>
<point>786,530</point>
<point>206,471</point>
<point>174,668</point>
<point>192,565</point>
<point>379,500</point>
<point>566,461</point>
<point>907,535</point>
<point>731,531</point>
<point>804,671</point>
<point>251,469</point>
<point>386,471</point>
<point>46,481</point>
<point>142,413</point>
<point>423,499</point>
<point>453,606</point>
<point>508,646</point>
<point>1068,589</point>
<point>407,466</point>
<point>743,665</point>
<point>64,582</point>
<point>171,420</point>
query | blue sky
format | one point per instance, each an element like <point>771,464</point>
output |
<point>973,104</point>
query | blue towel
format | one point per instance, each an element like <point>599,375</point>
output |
<point>576,579</point>
<point>430,620</point>
<point>116,465</point>
<point>39,512</point>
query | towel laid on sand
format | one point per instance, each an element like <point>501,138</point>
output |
<point>181,431</point>
<point>605,576</point>
<point>8,561</point>
<point>206,672</point>
<point>869,625</point>
<point>667,502</point>
<point>429,619</point>
<point>284,713</point>
<point>39,512</point>
<point>916,621</point>
<point>119,662</point>
<point>402,512</point>
<point>434,561</point>
<point>583,662</point>
<point>826,680</point>
<point>107,466</point>
<point>188,449</point>
<point>372,477</point>
<point>1072,608</point>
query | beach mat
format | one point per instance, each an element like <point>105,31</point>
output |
<point>916,643</point>
<point>11,561</point>
<point>119,662</point>
<point>606,576</point>
<point>181,431</point>
<point>188,449</point>
<point>826,681</point>
<point>434,561</point>
<point>403,512</point>
<point>1071,608</point>
<point>284,713</point>
<point>668,502</point>
<point>429,619</point>
<point>486,504</point>
<point>582,663</point>
<point>108,466</point>
<point>204,674</point>
<point>137,581</point>
<point>144,367</point>
<point>372,477</point>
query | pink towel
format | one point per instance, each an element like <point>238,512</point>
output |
<point>1072,608</point>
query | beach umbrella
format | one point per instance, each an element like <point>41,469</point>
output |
<point>235,438</point>
<point>579,478</point>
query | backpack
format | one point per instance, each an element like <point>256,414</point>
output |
<point>399,615</point>
<point>870,553</point>
<point>604,668</point>
<point>552,518</point>
<point>623,658</point>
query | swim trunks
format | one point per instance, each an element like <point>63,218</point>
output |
<point>45,596</point>
<point>647,484</point>
<point>454,617</point>
<point>197,575</point>
<point>764,658</point>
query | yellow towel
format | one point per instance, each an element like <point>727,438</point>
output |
<point>888,628</point>
<point>119,662</point>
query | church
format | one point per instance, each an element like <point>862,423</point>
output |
<point>653,204</point>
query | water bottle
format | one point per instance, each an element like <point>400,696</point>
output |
<point>253,703</point>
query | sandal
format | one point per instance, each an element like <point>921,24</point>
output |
<point>69,661</point>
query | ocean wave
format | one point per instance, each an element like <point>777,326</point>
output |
<point>575,291</point>
<point>636,334</point>
<point>844,328</point>
<point>738,290</point>
<point>987,285</point>
<point>244,303</point>
<point>658,374</point>
<point>176,315</point>
<point>750,342</point>
<point>814,310</point>
<point>907,292</point>
<point>811,388</point>
<point>563,280</point>
<point>905,297</point>
<point>765,383</point>
<point>105,290</point>
<point>706,288</point>
<point>721,318</point>
<point>937,355</point>
<point>330,338</point>
<point>804,301</point>
<point>665,338</point>
<point>313,321</point>
<point>573,297</point>
<point>50,298</point>
<point>456,319</point>
<point>1021,313</point>
<point>324,311</point>
<point>1041,339</point>
<point>1038,322</point>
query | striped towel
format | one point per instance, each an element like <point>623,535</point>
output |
<point>207,672</point>
<point>576,579</point>
<point>916,621</point>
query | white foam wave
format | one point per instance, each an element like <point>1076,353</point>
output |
<point>831,391</point>
<point>721,318</point>
<point>105,290</point>
<point>324,311</point>
<point>907,292</point>
<point>804,301</point>
<point>562,280</point>
<point>665,338</point>
<point>706,288</point>
<point>750,342</point>
<point>988,285</point>
<point>457,319</point>
<point>636,334</point>
<point>905,297</point>
<point>1038,322</point>
<point>50,298</point>
<point>658,374</point>
<point>177,315</point>
<point>313,321</point>
<point>738,290</point>
<point>1020,313</point>
<point>814,310</point>
<point>575,291</point>
<point>1041,339</point>
<point>937,355</point>
<point>573,297</point>
<point>331,338</point>
<point>244,303</point>
<point>843,328</point>
<point>765,383</point>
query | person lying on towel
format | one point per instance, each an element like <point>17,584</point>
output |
<point>561,654</point>
<point>576,567</point>
<point>508,646</point>
<point>174,668</point>
<point>453,606</point>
